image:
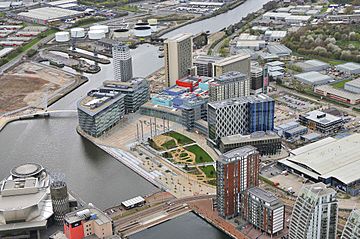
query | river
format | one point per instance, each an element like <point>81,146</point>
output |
<point>94,175</point>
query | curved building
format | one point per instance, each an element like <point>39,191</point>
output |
<point>25,203</point>
<point>60,200</point>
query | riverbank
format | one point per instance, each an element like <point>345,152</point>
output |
<point>224,9</point>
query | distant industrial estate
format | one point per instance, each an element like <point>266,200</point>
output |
<point>254,127</point>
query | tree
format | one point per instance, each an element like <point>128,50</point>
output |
<point>349,10</point>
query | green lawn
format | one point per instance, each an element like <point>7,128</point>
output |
<point>169,144</point>
<point>181,139</point>
<point>209,171</point>
<point>340,85</point>
<point>201,155</point>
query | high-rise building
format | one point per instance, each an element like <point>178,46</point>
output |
<point>136,91</point>
<point>178,57</point>
<point>122,62</point>
<point>263,210</point>
<point>236,171</point>
<point>230,85</point>
<point>100,110</point>
<point>241,115</point>
<point>314,215</point>
<point>240,62</point>
<point>352,227</point>
<point>205,64</point>
<point>60,199</point>
<point>87,222</point>
<point>257,79</point>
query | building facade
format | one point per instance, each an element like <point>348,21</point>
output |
<point>178,57</point>
<point>87,222</point>
<point>321,121</point>
<point>241,115</point>
<point>257,80</point>
<point>136,91</point>
<point>100,110</point>
<point>230,85</point>
<point>238,62</point>
<point>237,171</point>
<point>263,210</point>
<point>122,62</point>
<point>314,215</point>
<point>205,64</point>
<point>352,227</point>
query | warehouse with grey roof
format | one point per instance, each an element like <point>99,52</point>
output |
<point>313,78</point>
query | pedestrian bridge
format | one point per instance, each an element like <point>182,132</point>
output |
<point>50,113</point>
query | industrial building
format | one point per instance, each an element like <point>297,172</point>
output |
<point>281,129</point>
<point>230,85</point>
<point>240,63</point>
<point>86,222</point>
<point>178,57</point>
<point>241,115</point>
<point>323,122</point>
<point>136,91</point>
<point>313,78</point>
<point>122,62</point>
<point>331,161</point>
<point>312,65</point>
<point>237,171</point>
<point>340,95</point>
<point>352,226</point>
<point>100,110</point>
<point>274,35</point>
<point>315,213</point>
<point>296,132</point>
<point>279,50</point>
<point>46,15</point>
<point>266,143</point>
<point>263,210</point>
<point>349,68</point>
<point>205,64</point>
<point>353,86</point>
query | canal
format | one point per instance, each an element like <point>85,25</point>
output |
<point>94,175</point>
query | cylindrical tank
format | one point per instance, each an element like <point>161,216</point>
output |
<point>60,200</point>
<point>121,33</point>
<point>100,27</point>
<point>152,21</point>
<point>142,31</point>
<point>96,34</point>
<point>62,36</point>
<point>77,32</point>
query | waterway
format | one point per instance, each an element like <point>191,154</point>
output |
<point>94,175</point>
<point>220,21</point>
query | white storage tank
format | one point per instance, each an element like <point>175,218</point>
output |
<point>77,32</point>
<point>62,36</point>
<point>96,34</point>
<point>100,27</point>
<point>142,29</point>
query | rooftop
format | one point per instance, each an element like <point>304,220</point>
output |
<point>321,117</point>
<point>313,77</point>
<point>241,100</point>
<point>312,146</point>
<point>49,13</point>
<point>338,159</point>
<point>278,49</point>
<point>232,59</point>
<point>204,59</point>
<point>234,154</point>
<point>230,77</point>
<point>256,136</point>
<point>179,37</point>
<point>133,201</point>
<point>91,213</point>
<point>349,66</point>
<point>264,195</point>
<point>339,92</point>
<point>354,83</point>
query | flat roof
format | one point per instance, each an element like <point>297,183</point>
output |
<point>313,77</point>
<point>5,51</point>
<point>339,92</point>
<point>79,215</point>
<point>257,136</point>
<point>296,129</point>
<point>49,13</point>
<point>353,83</point>
<point>232,59</point>
<point>61,2</point>
<point>133,201</point>
<point>207,3</point>
<point>316,63</point>
<point>349,66</point>
<point>264,195</point>
<point>311,136</point>
<point>321,117</point>
<point>205,59</point>
<point>278,49</point>
<point>312,146</point>
<point>232,155</point>
<point>276,33</point>
<point>240,100</point>
<point>339,159</point>
<point>179,37</point>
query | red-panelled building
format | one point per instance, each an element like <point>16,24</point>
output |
<point>190,82</point>
<point>237,171</point>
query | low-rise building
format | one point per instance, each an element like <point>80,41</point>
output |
<point>338,94</point>
<point>263,210</point>
<point>279,50</point>
<point>349,68</point>
<point>267,143</point>
<point>100,110</point>
<point>295,133</point>
<point>320,121</point>
<point>275,35</point>
<point>312,65</point>
<point>46,15</point>
<point>313,78</point>
<point>86,222</point>
<point>353,86</point>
